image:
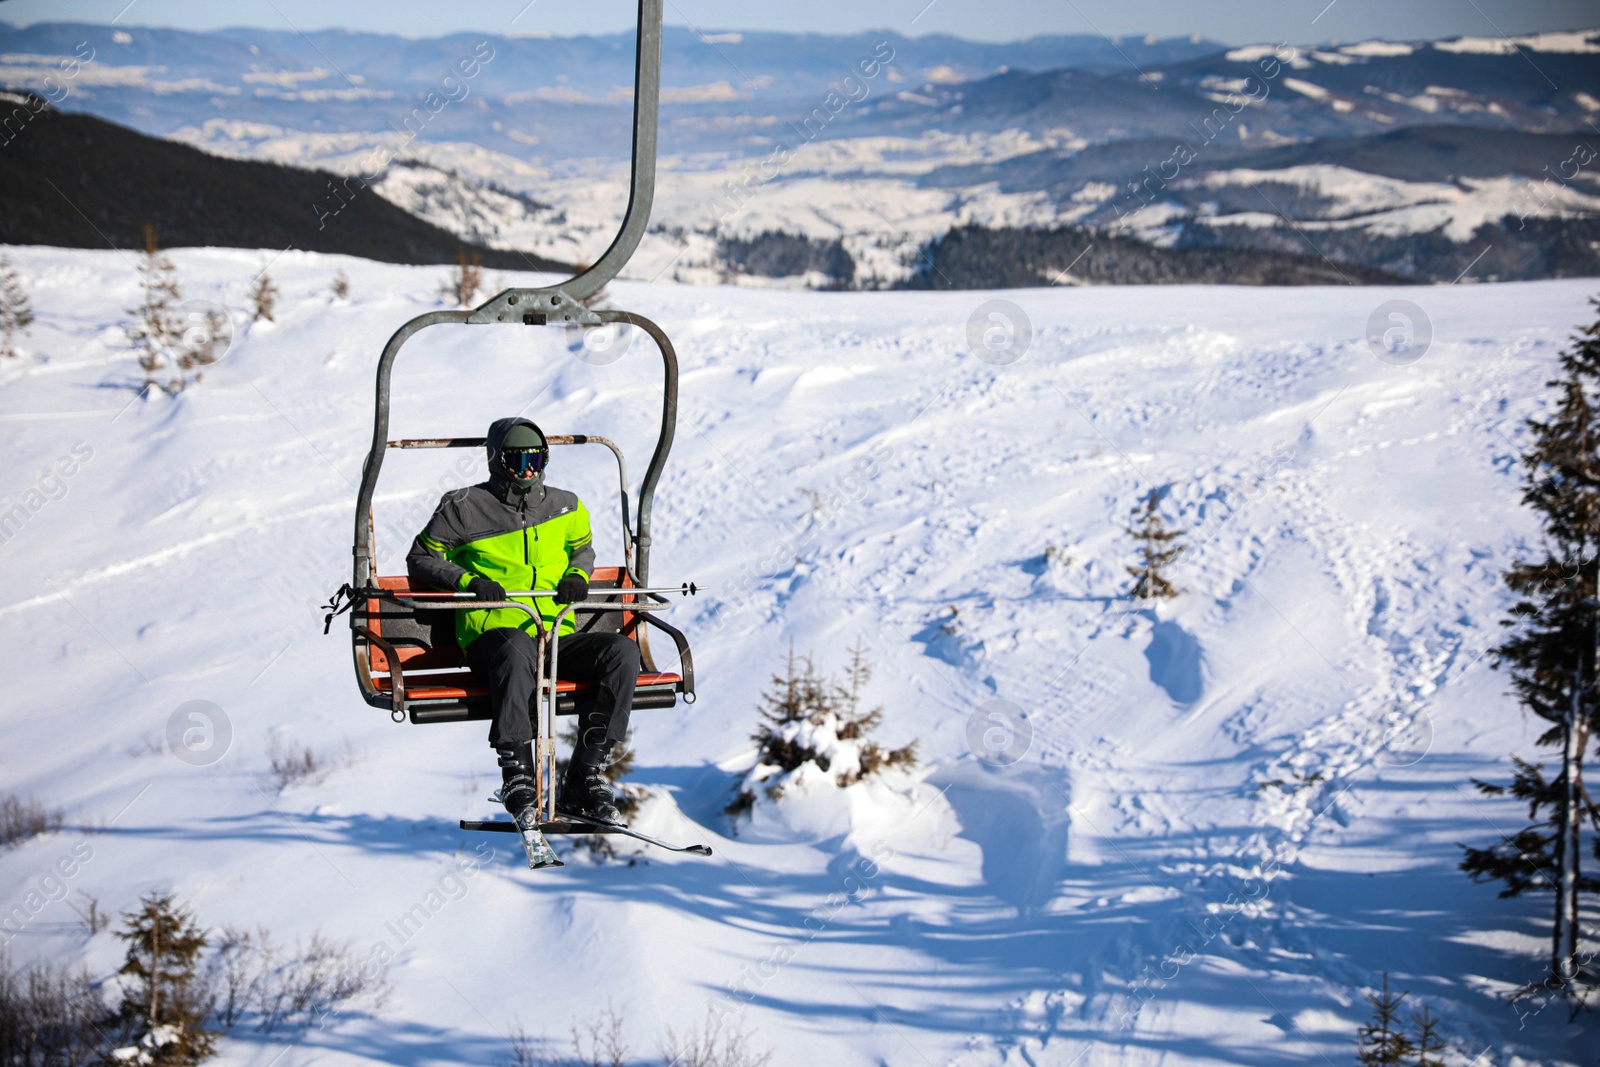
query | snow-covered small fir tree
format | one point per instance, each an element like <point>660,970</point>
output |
<point>164,1004</point>
<point>815,728</point>
<point>1384,1040</point>
<point>1156,548</point>
<point>204,335</point>
<point>16,314</point>
<point>264,295</point>
<point>464,282</point>
<point>154,333</point>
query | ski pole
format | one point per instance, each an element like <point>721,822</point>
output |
<point>686,589</point>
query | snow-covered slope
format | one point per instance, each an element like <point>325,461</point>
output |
<point>1235,811</point>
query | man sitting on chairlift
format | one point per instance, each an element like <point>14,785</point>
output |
<point>514,532</point>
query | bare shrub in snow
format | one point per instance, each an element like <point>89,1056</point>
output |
<point>249,977</point>
<point>22,819</point>
<point>712,1045</point>
<point>340,286</point>
<point>812,722</point>
<point>524,1050</point>
<point>293,763</point>
<point>234,975</point>
<point>307,984</point>
<point>50,1017</point>
<point>599,1043</point>
<point>94,920</point>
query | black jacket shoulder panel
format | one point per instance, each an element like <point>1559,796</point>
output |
<point>556,502</point>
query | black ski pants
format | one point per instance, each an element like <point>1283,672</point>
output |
<point>505,659</point>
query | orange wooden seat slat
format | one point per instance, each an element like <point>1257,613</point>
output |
<point>442,687</point>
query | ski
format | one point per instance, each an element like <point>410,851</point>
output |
<point>602,827</point>
<point>540,854</point>
<point>599,825</point>
<point>506,826</point>
<point>618,828</point>
<point>537,846</point>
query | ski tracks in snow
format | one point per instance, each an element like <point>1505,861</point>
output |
<point>1362,698</point>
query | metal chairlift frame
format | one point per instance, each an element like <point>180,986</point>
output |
<point>562,305</point>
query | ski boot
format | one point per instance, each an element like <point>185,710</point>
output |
<point>585,794</point>
<point>520,795</point>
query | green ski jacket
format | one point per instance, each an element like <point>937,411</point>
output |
<point>522,540</point>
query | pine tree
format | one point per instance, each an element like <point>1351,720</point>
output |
<point>464,282</point>
<point>163,998</point>
<point>802,709</point>
<point>153,332</point>
<point>204,333</point>
<point>1428,1040</point>
<point>800,695</point>
<point>1551,657</point>
<point>16,314</point>
<point>1382,1041</point>
<point>855,725</point>
<point>1155,546</point>
<point>264,294</point>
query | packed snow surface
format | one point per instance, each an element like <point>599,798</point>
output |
<point>1191,833</point>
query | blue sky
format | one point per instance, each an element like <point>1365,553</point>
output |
<point>1234,21</point>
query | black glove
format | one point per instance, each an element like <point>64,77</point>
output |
<point>486,589</point>
<point>572,588</point>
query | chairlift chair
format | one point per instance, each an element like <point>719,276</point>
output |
<point>403,639</point>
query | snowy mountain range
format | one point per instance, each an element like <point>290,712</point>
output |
<point>1411,158</point>
<point>1207,827</point>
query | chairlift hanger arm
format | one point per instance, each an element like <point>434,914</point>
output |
<point>559,304</point>
<point>642,183</point>
<point>559,301</point>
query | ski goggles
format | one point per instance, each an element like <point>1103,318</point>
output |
<point>524,461</point>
